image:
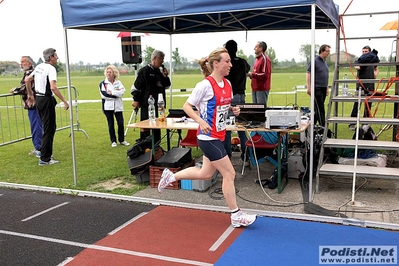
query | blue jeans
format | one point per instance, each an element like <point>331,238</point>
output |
<point>260,97</point>
<point>237,99</point>
<point>36,128</point>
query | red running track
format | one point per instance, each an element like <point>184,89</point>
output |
<point>164,236</point>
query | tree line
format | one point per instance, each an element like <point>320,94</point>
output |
<point>179,62</point>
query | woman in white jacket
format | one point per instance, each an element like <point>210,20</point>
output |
<point>112,90</point>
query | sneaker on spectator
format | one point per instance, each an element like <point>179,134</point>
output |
<point>240,218</point>
<point>125,143</point>
<point>52,161</point>
<point>34,152</point>
<point>38,154</point>
<point>165,179</point>
<point>352,127</point>
<point>113,145</point>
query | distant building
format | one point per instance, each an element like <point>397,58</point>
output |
<point>343,57</point>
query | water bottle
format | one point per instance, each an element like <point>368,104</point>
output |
<point>151,108</point>
<point>161,108</point>
<point>345,86</point>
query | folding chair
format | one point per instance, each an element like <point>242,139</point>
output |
<point>190,140</point>
<point>261,141</point>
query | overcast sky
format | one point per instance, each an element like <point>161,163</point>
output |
<point>27,27</point>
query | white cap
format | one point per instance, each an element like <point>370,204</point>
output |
<point>160,97</point>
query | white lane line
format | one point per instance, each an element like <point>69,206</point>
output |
<point>45,211</point>
<point>221,239</point>
<point>104,248</point>
<point>127,223</point>
<point>66,261</point>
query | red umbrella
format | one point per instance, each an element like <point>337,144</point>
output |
<point>124,34</point>
<point>128,34</point>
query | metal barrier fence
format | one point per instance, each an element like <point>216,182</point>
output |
<point>298,88</point>
<point>14,121</point>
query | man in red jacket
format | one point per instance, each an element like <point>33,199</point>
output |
<point>261,74</point>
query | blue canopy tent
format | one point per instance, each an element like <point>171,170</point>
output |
<point>183,16</point>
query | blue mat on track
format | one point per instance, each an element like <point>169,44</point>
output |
<point>276,241</point>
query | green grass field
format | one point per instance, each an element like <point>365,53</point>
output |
<point>96,160</point>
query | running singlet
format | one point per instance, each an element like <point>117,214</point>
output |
<point>218,108</point>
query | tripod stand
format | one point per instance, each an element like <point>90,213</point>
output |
<point>133,115</point>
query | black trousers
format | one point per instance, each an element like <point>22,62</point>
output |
<point>111,125</point>
<point>45,106</point>
<point>366,111</point>
<point>320,112</point>
<point>356,106</point>
<point>146,132</point>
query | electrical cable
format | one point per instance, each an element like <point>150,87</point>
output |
<point>374,211</point>
<point>218,191</point>
<point>217,194</point>
<point>258,173</point>
<point>271,205</point>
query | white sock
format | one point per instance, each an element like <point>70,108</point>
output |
<point>172,179</point>
<point>235,211</point>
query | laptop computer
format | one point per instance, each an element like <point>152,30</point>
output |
<point>251,113</point>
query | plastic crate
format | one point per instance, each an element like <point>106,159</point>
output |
<point>204,185</point>
<point>156,172</point>
<point>186,184</point>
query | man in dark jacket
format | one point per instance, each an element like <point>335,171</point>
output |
<point>150,81</point>
<point>238,79</point>
<point>320,89</point>
<point>365,72</point>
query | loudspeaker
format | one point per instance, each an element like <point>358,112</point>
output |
<point>131,50</point>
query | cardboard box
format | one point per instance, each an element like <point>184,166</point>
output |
<point>298,136</point>
<point>295,166</point>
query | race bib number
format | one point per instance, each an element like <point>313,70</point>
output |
<point>221,116</point>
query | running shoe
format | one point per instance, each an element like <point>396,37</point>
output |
<point>125,143</point>
<point>240,218</point>
<point>34,152</point>
<point>52,161</point>
<point>165,180</point>
<point>113,145</point>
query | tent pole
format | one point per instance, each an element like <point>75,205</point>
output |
<point>170,60</point>
<point>68,74</point>
<point>312,69</point>
<point>170,70</point>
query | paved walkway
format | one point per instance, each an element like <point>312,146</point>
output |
<point>376,200</point>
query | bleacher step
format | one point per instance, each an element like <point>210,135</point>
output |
<point>361,170</point>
